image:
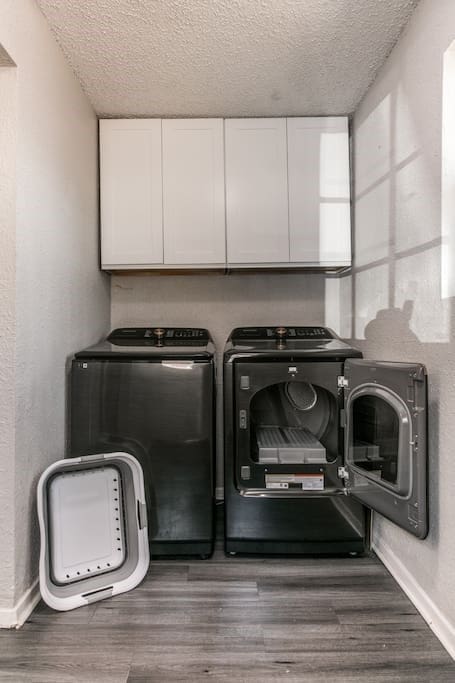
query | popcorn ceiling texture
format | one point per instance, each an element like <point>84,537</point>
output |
<point>226,57</point>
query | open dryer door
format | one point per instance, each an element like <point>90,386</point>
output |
<point>386,441</point>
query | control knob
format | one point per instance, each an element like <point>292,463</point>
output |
<point>281,337</point>
<point>159,333</point>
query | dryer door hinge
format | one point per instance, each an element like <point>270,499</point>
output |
<point>343,473</point>
<point>342,382</point>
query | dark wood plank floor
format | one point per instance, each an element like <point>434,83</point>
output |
<point>235,619</point>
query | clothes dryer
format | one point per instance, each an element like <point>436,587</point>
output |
<point>314,435</point>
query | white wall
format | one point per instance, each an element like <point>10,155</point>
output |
<point>219,303</point>
<point>395,291</point>
<point>62,300</point>
<point>7,320</point>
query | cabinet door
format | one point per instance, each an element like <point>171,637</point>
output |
<point>131,192</point>
<point>193,191</point>
<point>319,190</point>
<point>256,191</point>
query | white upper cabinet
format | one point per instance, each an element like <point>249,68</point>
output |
<point>239,192</point>
<point>256,191</point>
<point>193,192</point>
<point>319,191</point>
<point>131,192</point>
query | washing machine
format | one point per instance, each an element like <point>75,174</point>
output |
<point>150,392</point>
<point>314,437</point>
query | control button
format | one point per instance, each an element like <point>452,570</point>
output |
<point>245,472</point>
<point>244,382</point>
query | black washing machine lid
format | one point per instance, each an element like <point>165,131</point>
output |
<point>153,343</point>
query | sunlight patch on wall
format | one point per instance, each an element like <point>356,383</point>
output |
<point>372,225</point>
<point>406,138</point>
<point>372,145</point>
<point>417,282</point>
<point>416,218</point>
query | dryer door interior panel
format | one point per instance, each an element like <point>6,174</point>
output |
<point>288,439</point>
<point>386,440</point>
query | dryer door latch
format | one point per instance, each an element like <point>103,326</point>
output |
<point>342,418</point>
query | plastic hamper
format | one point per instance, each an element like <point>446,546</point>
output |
<point>93,526</point>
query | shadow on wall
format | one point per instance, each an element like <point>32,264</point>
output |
<point>396,319</point>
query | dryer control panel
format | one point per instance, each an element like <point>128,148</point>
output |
<point>280,332</point>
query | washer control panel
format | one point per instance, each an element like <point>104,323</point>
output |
<point>168,336</point>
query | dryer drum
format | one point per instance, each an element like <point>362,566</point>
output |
<point>301,395</point>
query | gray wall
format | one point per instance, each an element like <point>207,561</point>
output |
<point>397,306</point>
<point>61,298</point>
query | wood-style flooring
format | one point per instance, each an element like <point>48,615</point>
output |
<point>235,619</point>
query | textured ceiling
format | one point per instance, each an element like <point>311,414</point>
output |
<point>226,57</point>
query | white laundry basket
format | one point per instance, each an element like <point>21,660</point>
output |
<point>93,524</point>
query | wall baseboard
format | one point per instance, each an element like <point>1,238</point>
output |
<point>17,615</point>
<point>439,624</point>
